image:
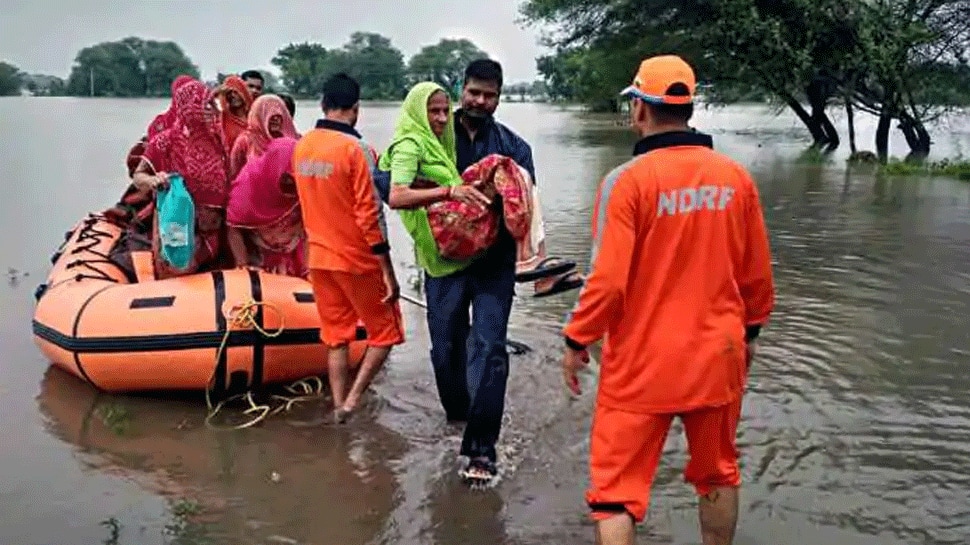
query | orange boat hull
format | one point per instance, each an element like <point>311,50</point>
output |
<point>127,335</point>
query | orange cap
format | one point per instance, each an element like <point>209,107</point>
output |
<point>666,79</point>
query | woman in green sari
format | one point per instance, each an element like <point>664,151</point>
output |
<point>422,162</point>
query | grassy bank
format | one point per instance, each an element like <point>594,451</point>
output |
<point>953,168</point>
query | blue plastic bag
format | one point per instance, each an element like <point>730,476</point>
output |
<point>176,223</point>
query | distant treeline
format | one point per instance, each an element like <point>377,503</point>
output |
<point>134,67</point>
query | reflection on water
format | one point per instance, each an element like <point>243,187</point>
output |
<point>312,485</point>
<point>855,428</point>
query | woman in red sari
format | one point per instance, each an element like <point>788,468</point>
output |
<point>235,101</point>
<point>161,122</point>
<point>192,148</point>
<point>264,208</point>
<point>136,206</point>
<point>269,118</point>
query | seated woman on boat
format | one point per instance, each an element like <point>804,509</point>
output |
<point>268,119</point>
<point>192,148</point>
<point>235,103</point>
<point>264,209</point>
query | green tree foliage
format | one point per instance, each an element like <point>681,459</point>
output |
<point>10,80</point>
<point>444,63</point>
<point>43,85</point>
<point>879,55</point>
<point>369,58</point>
<point>304,67</point>
<point>377,65</point>
<point>131,67</point>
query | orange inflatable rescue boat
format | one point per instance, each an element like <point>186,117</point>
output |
<point>225,331</point>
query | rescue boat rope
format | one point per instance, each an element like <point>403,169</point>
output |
<point>243,316</point>
<point>88,238</point>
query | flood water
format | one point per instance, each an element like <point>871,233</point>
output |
<point>856,429</point>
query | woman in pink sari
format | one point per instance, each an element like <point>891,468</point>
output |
<point>264,209</point>
<point>268,119</point>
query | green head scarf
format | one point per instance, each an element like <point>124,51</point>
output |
<point>436,162</point>
<point>438,155</point>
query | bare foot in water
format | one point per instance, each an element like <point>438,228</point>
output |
<point>341,415</point>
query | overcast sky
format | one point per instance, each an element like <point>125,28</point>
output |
<point>43,36</point>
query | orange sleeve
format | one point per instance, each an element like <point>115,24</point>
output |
<point>602,298</point>
<point>367,202</point>
<point>754,277</point>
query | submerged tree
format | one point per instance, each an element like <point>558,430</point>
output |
<point>369,58</point>
<point>875,55</point>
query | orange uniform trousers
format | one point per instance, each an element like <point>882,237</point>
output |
<point>343,297</point>
<point>625,450</point>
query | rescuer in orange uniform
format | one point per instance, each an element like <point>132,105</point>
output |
<point>349,256</point>
<point>681,284</point>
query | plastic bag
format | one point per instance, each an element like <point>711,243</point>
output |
<point>176,223</point>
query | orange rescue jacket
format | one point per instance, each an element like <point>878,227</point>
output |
<point>681,278</point>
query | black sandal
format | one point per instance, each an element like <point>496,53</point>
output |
<point>550,266</point>
<point>479,472</point>
<point>563,284</point>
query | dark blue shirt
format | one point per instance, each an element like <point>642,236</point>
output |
<point>493,137</point>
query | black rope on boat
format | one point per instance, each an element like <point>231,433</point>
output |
<point>89,238</point>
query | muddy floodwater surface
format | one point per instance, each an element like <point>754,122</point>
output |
<point>855,430</point>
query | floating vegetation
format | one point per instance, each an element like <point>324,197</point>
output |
<point>180,529</point>
<point>116,417</point>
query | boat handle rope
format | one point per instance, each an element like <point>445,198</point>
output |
<point>244,316</point>
<point>87,239</point>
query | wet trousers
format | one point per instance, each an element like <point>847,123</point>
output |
<point>471,364</point>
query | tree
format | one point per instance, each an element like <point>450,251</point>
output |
<point>131,67</point>
<point>369,58</point>
<point>272,83</point>
<point>10,80</point>
<point>377,65</point>
<point>588,74</point>
<point>444,63</point>
<point>305,66</point>
<point>868,53</point>
<point>907,51</point>
<point>44,85</point>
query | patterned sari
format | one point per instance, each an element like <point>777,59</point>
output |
<point>233,126</point>
<point>463,231</point>
<point>254,141</point>
<point>193,148</point>
<point>270,213</point>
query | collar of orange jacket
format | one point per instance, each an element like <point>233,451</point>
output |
<point>673,139</point>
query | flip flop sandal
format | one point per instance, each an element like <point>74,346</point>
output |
<point>516,348</point>
<point>563,284</point>
<point>479,472</point>
<point>550,266</point>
